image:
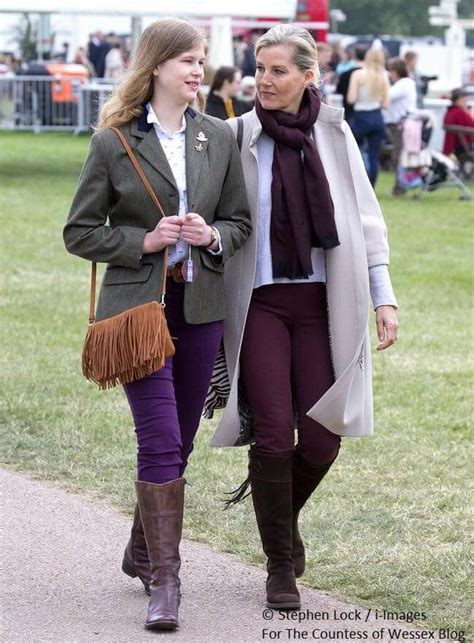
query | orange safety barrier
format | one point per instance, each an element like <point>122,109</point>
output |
<point>67,80</point>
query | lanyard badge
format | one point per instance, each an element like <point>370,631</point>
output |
<point>189,270</point>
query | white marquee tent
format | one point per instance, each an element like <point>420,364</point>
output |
<point>248,8</point>
<point>81,14</point>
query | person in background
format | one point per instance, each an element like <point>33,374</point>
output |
<point>248,90</point>
<point>97,50</point>
<point>248,65</point>
<point>114,65</point>
<point>342,86</point>
<point>402,97</point>
<point>222,101</point>
<point>411,60</point>
<point>368,93</point>
<point>65,52</point>
<point>458,113</point>
<point>346,61</point>
<point>338,54</point>
<point>239,46</point>
<point>326,86</point>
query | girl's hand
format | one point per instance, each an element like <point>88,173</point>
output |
<point>195,230</point>
<point>166,233</point>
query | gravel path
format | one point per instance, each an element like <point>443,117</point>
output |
<point>61,582</point>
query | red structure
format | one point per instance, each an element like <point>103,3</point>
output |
<point>314,11</point>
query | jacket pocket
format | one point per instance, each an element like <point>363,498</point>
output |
<point>212,262</point>
<point>115,275</point>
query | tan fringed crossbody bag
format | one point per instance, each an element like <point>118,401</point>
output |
<point>134,343</point>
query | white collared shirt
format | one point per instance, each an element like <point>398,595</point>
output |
<point>174,147</point>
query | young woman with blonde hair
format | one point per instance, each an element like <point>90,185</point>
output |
<point>193,163</point>
<point>369,94</point>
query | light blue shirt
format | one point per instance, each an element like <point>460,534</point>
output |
<point>174,147</point>
<point>381,290</point>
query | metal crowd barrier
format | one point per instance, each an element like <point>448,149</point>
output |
<point>42,103</point>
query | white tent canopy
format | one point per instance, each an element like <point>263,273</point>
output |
<point>218,12</point>
<point>248,8</point>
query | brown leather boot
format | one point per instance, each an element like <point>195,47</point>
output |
<point>270,479</point>
<point>161,510</point>
<point>306,477</point>
<point>135,558</point>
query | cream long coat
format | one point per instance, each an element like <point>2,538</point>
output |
<point>346,408</point>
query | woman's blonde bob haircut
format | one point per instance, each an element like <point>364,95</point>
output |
<point>305,51</point>
<point>164,39</point>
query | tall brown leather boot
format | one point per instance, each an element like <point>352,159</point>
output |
<point>306,477</point>
<point>161,511</point>
<point>135,558</point>
<point>270,480</point>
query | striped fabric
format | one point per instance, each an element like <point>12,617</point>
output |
<point>218,394</point>
<point>219,388</point>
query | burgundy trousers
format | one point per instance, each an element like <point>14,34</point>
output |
<point>285,364</point>
<point>167,405</point>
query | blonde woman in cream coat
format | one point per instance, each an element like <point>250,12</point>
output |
<point>329,382</point>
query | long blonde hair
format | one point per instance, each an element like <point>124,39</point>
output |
<point>161,40</point>
<point>375,73</point>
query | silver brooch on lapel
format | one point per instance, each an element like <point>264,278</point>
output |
<point>199,147</point>
<point>202,137</point>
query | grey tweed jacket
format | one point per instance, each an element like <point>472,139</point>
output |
<point>111,213</point>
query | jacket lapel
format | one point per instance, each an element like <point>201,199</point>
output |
<point>150,148</point>
<point>256,131</point>
<point>197,141</point>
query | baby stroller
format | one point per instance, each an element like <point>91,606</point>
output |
<point>421,168</point>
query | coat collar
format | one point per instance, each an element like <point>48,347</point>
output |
<point>140,126</point>
<point>150,148</point>
<point>198,138</point>
<point>327,114</point>
<point>196,149</point>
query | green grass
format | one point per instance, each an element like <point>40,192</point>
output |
<point>390,525</point>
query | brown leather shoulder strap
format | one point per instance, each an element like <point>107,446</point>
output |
<point>138,168</point>
<point>155,200</point>
<point>92,297</point>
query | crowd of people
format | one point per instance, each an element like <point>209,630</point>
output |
<point>105,56</point>
<point>378,91</point>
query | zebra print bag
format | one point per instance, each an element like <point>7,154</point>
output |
<point>219,387</point>
<point>218,394</point>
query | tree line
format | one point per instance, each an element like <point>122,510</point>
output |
<point>395,17</point>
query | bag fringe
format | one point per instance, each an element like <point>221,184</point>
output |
<point>127,347</point>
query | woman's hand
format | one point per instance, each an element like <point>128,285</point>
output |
<point>195,230</point>
<point>387,326</point>
<point>166,233</point>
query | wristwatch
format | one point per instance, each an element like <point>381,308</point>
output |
<point>214,237</point>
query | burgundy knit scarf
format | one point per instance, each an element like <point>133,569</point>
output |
<point>302,208</point>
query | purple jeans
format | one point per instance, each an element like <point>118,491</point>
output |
<point>167,405</point>
<point>285,363</point>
